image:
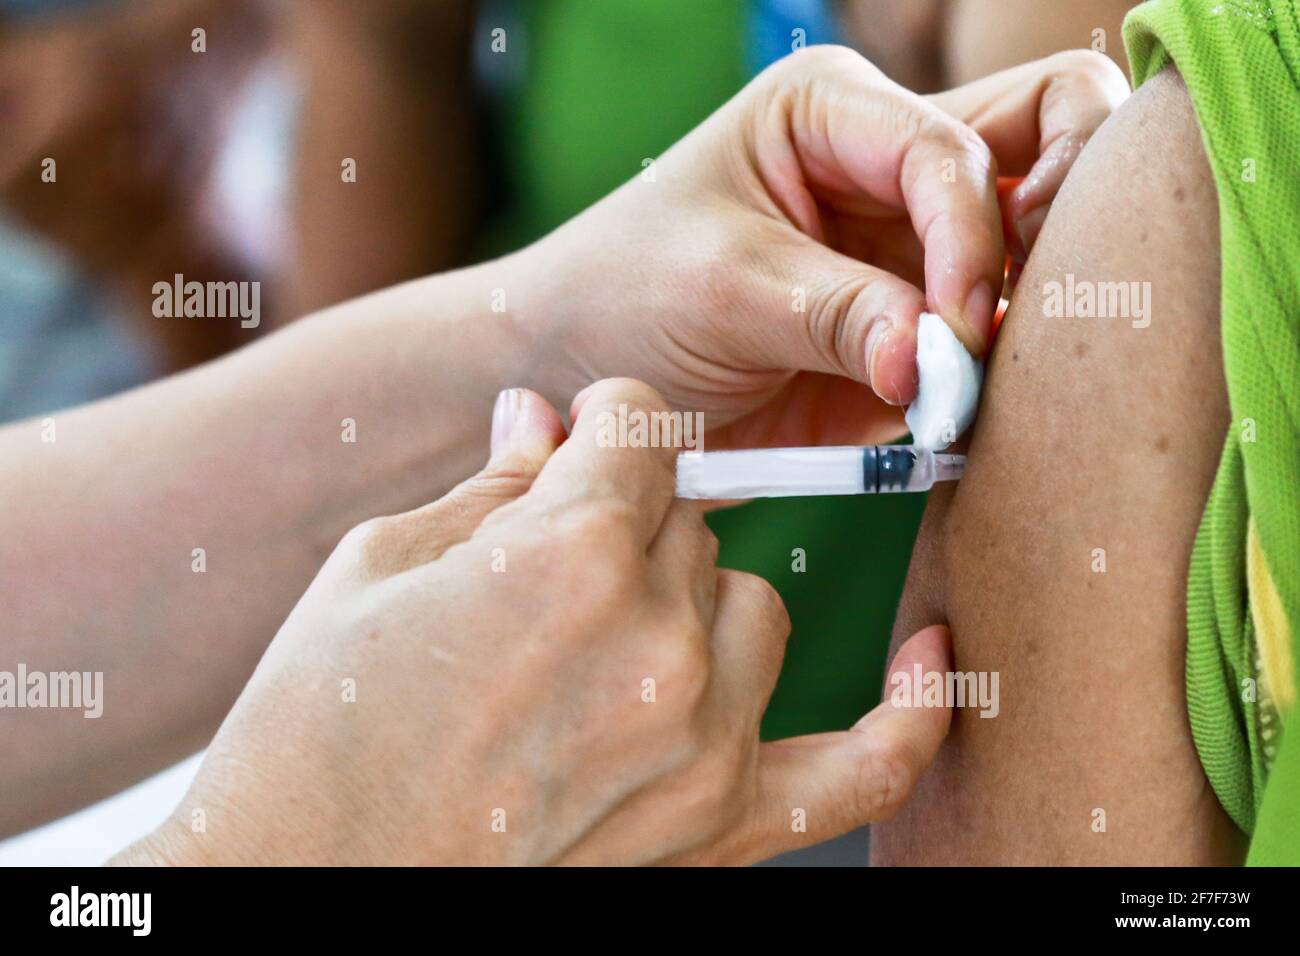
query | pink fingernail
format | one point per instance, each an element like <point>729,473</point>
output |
<point>505,413</point>
<point>977,313</point>
<point>893,363</point>
<point>875,338</point>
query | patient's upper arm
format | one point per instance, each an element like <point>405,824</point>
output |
<point>1060,560</point>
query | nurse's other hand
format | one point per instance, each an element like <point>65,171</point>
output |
<point>769,269</point>
<point>543,666</point>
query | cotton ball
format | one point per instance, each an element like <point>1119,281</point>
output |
<point>949,386</point>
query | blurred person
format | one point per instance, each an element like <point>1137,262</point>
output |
<point>216,158</point>
<point>112,126</point>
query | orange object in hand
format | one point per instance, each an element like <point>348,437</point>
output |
<point>1012,240</point>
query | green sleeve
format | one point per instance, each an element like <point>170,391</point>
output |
<point>1240,60</point>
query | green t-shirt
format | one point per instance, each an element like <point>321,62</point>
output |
<point>1240,60</point>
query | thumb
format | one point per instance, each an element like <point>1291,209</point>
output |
<point>845,780</point>
<point>526,430</point>
<point>844,317</point>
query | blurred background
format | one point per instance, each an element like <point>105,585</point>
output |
<point>207,138</point>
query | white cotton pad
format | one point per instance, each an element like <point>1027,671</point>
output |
<point>949,387</point>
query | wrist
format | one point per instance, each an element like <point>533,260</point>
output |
<point>559,348</point>
<point>209,830</point>
<point>159,848</point>
<point>486,334</point>
<point>407,377</point>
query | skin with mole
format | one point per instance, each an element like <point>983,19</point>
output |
<point>1065,570</point>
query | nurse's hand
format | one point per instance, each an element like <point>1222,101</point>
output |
<point>769,269</point>
<point>543,666</point>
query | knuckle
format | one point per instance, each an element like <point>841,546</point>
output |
<point>763,602</point>
<point>599,594</point>
<point>634,393</point>
<point>683,662</point>
<point>603,534</point>
<point>927,126</point>
<point>685,523</point>
<point>976,153</point>
<point>500,482</point>
<point>365,544</point>
<point>1087,63</point>
<point>476,499</point>
<point>603,524</point>
<point>462,505</point>
<point>828,67</point>
<point>925,123</point>
<point>1091,83</point>
<point>882,783</point>
<point>661,458</point>
<point>907,124</point>
<point>831,329</point>
<point>384,546</point>
<point>830,57</point>
<point>709,545</point>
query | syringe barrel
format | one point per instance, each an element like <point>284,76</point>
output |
<point>771,472</point>
<point>789,472</point>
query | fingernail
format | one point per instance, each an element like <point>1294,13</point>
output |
<point>880,331</point>
<point>1040,186</point>
<point>977,314</point>
<point>505,413</point>
<point>909,655</point>
<point>1029,226</point>
<point>892,373</point>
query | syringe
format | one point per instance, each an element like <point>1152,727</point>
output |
<point>836,470</point>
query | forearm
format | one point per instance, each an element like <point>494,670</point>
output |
<point>249,460</point>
